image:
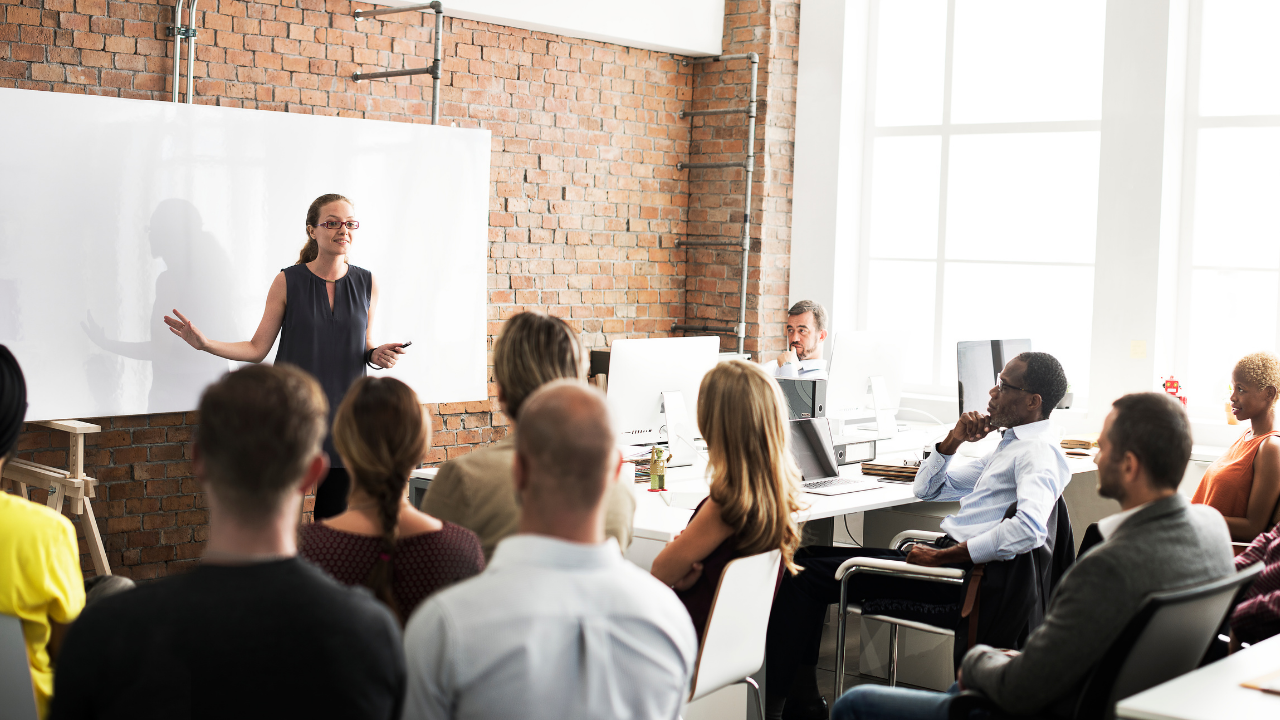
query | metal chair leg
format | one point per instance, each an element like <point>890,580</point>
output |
<point>893,654</point>
<point>756,690</point>
<point>842,614</point>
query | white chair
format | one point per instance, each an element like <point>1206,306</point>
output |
<point>893,568</point>
<point>733,645</point>
<point>18,696</point>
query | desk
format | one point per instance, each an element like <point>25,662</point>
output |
<point>1212,692</point>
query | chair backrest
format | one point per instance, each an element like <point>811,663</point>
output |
<point>733,644</point>
<point>1167,638</point>
<point>19,697</point>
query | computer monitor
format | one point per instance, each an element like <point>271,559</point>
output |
<point>978,364</point>
<point>641,369</point>
<point>855,358</point>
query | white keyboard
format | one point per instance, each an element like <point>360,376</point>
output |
<point>838,485</point>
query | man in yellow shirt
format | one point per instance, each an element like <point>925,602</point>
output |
<point>40,578</point>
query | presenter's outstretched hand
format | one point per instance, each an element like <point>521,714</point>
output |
<point>384,356</point>
<point>183,328</point>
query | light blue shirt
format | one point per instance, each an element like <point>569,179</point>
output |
<point>551,630</point>
<point>1027,467</point>
<point>805,369</point>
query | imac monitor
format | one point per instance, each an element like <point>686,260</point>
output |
<point>978,364</point>
<point>855,358</point>
<point>641,369</point>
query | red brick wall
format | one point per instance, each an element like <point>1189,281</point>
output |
<point>714,274</point>
<point>585,208</point>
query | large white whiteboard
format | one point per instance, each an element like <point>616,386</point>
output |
<point>114,211</point>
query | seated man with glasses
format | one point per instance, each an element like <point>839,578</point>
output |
<point>1027,469</point>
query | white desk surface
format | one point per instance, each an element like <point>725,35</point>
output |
<point>1212,692</point>
<point>656,520</point>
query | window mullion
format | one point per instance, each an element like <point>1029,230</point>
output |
<point>943,172</point>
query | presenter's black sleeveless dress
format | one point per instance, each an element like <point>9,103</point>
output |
<point>329,343</point>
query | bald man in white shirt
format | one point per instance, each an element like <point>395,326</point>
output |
<point>806,331</point>
<point>559,626</point>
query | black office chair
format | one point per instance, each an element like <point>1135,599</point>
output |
<point>1167,638</point>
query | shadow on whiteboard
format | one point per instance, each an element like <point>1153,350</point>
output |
<point>197,277</point>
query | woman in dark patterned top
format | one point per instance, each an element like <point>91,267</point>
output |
<point>322,308</point>
<point>382,541</point>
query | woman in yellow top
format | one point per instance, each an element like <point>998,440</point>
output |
<point>1244,484</point>
<point>754,487</point>
<point>40,580</point>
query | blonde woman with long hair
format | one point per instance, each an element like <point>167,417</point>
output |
<point>755,486</point>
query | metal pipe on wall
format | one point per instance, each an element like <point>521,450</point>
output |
<point>191,50</point>
<point>748,165</point>
<point>177,48</point>
<point>437,41</point>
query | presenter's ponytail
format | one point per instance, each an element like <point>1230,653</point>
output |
<point>382,435</point>
<point>311,249</point>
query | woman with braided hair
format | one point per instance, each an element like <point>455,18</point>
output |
<point>381,541</point>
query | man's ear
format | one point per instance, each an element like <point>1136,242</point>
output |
<point>616,475</point>
<point>1130,468</point>
<point>1035,403</point>
<point>822,336</point>
<point>316,471</point>
<point>520,473</point>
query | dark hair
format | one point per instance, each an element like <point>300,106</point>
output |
<point>809,306</point>
<point>534,349</point>
<point>259,427</point>
<point>311,250</point>
<point>13,403</point>
<point>1046,378</point>
<point>1154,427</point>
<point>381,434</point>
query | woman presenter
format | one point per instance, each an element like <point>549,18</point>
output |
<point>322,308</point>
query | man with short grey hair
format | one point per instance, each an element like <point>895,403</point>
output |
<point>806,331</point>
<point>559,626</point>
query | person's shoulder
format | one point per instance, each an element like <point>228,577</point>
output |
<point>456,538</point>
<point>358,272</point>
<point>32,520</point>
<point>346,605</point>
<point>481,462</point>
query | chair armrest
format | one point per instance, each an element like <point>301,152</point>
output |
<point>908,536</point>
<point>880,566</point>
<point>968,701</point>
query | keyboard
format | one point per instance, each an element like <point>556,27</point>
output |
<point>838,485</point>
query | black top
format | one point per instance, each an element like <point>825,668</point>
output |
<point>702,594</point>
<point>328,343</point>
<point>270,640</point>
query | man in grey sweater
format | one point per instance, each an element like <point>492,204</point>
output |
<point>1157,542</point>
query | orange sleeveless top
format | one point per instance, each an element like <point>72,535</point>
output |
<point>1228,481</point>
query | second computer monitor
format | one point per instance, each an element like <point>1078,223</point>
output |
<point>978,364</point>
<point>641,369</point>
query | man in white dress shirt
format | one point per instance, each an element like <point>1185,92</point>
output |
<point>806,331</point>
<point>1027,469</point>
<point>559,626</point>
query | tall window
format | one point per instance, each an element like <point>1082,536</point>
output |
<point>981,193</point>
<point>1229,271</point>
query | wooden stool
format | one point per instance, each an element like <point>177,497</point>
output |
<point>66,485</point>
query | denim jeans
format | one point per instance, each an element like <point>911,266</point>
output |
<point>879,702</point>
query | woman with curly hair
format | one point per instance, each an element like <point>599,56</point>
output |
<point>1244,484</point>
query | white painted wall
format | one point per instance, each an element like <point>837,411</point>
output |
<point>682,27</point>
<point>830,112</point>
<point>113,212</point>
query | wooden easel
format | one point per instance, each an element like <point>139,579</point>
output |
<point>64,485</point>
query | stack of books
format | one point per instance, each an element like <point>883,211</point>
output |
<point>896,473</point>
<point>1080,445</point>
